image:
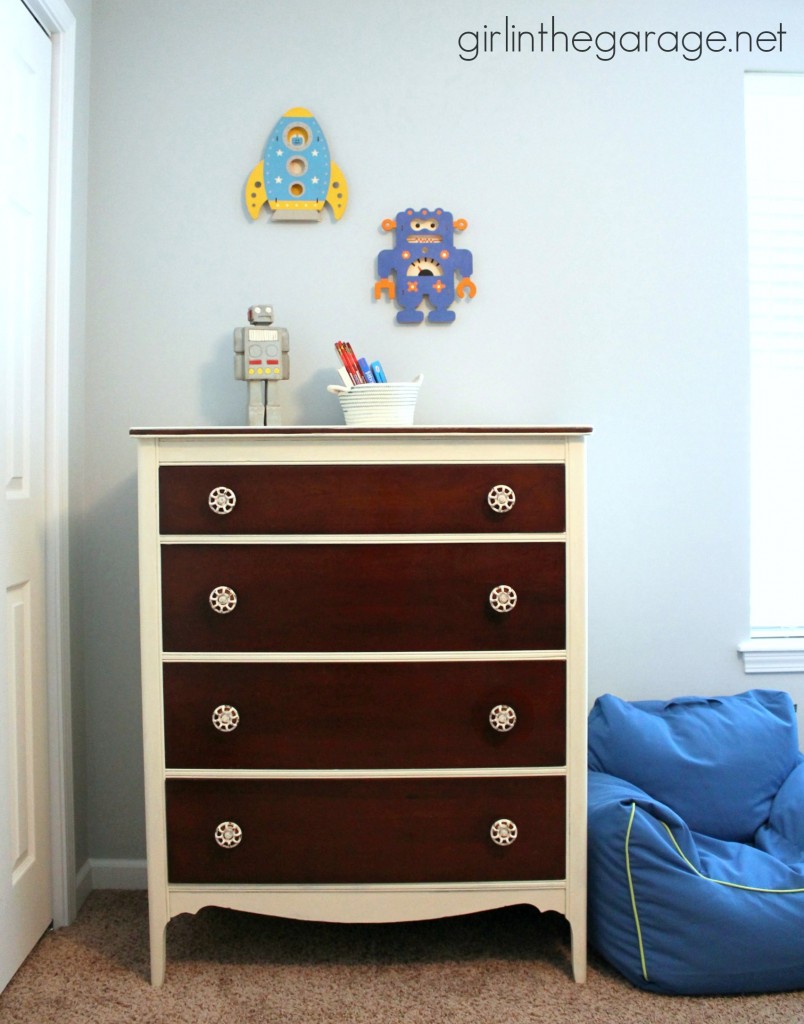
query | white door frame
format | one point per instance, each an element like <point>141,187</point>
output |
<point>59,21</point>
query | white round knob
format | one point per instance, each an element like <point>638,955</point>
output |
<point>223,600</point>
<point>502,718</point>
<point>225,717</point>
<point>503,832</point>
<point>503,598</point>
<point>501,498</point>
<point>228,834</point>
<point>222,500</point>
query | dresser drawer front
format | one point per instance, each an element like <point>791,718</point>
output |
<point>365,830</point>
<point>361,499</point>
<point>363,597</point>
<point>365,715</point>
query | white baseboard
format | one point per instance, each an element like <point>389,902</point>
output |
<point>100,873</point>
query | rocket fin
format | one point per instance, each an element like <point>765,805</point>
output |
<point>256,196</point>
<point>338,192</point>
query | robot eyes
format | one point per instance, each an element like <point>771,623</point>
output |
<point>424,225</point>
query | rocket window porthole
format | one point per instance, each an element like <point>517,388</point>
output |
<point>297,166</point>
<point>296,189</point>
<point>297,136</point>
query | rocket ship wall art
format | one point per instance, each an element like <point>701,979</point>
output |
<point>296,175</point>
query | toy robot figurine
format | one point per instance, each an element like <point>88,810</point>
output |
<point>261,358</point>
<point>425,262</point>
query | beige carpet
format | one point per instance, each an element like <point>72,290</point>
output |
<point>504,967</point>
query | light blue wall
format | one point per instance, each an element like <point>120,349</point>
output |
<point>605,203</point>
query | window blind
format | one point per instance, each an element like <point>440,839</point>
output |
<point>774,122</point>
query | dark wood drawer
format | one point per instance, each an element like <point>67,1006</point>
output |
<point>363,597</point>
<point>365,715</point>
<point>365,830</point>
<point>361,499</point>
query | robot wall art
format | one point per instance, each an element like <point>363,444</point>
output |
<point>424,262</point>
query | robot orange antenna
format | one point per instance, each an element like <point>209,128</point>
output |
<point>388,224</point>
<point>460,225</point>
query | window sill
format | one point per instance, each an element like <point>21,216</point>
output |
<point>773,654</point>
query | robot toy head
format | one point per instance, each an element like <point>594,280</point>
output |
<point>424,227</point>
<point>261,314</point>
<point>425,238</point>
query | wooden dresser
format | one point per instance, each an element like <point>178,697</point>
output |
<point>364,672</point>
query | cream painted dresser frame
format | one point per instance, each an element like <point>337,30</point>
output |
<point>333,447</point>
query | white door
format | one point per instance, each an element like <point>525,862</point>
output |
<point>25,857</point>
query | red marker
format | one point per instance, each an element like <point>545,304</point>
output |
<point>349,362</point>
<point>354,362</point>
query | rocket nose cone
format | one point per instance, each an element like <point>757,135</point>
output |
<point>297,112</point>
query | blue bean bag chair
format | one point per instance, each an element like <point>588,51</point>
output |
<point>696,842</point>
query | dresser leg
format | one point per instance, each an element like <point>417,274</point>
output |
<point>158,926</point>
<point>578,933</point>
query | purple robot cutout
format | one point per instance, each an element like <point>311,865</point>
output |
<point>425,262</point>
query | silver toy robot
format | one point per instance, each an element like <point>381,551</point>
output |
<point>261,358</point>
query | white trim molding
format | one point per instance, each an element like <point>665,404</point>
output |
<point>58,20</point>
<point>103,873</point>
<point>773,654</point>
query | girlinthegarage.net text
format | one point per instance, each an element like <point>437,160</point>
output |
<point>552,38</point>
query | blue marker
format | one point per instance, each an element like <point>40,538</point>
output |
<point>364,366</point>
<point>379,373</point>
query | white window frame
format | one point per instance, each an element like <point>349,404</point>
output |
<point>775,180</point>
